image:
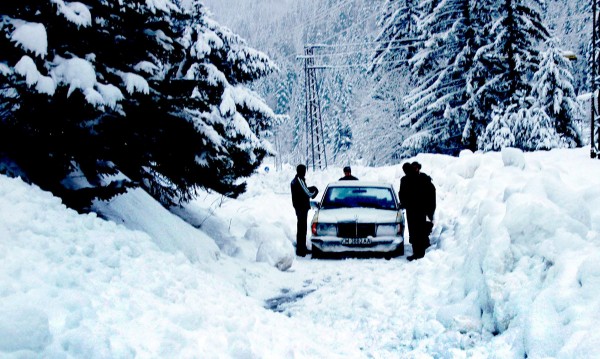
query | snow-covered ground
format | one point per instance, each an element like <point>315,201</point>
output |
<point>514,271</point>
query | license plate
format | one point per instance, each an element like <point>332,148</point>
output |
<point>356,241</point>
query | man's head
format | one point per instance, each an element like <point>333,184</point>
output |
<point>301,170</point>
<point>347,170</point>
<point>417,166</point>
<point>408,169</point>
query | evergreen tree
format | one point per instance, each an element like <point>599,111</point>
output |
<point>373,111</point>
<point>435,116</point>
<point>523,126</point>
<point>398,38</point>
<point>478,108</point>
<point>543,120</point>
<point>163,99</point>
<point>336,109</point>
<point>554,92</point>
<point>284,94</point>
<point>571,24</point>
<point>378,134</point>
<point>504,67</point>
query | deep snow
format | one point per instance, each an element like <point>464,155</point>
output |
<point>513,271</point>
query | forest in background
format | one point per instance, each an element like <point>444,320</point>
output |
<point>360,116</point>
<point>171,97</point>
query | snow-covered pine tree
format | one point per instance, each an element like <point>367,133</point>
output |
<point>150,89</point>
<point>397,40</point>
<point>477,108</point>
<point>504,67</point>
<point>555,95</point>
<point>377,136</point>
<point>335,100</point>
<point>283,92</point>
<point>56,94</point>
<point>524,126</point>
<point>283,27</point>
<point>248,119</point>
<point>500,131</point>
<point>441,66</point>
<point>571,24</point>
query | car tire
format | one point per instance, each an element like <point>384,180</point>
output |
<point>316,253</point>
<point>399,252</point>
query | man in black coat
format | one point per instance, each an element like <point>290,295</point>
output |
<point>301,195</point>
<point>427,190</point>
<point>417,196</point>
<point>348,175</point>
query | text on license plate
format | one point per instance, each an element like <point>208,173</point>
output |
<point>356,241</point>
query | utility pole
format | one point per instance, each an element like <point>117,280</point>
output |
<point>315,155</point>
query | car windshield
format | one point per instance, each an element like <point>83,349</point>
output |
<point>353,197</point>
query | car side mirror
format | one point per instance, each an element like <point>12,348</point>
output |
<point>314,205</point>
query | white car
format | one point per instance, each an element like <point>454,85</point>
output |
<point>358,218</point>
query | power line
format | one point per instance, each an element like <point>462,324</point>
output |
<point>325,14</point>
<point>312,56</point>
<point>406,40</point>
<point>357,52</point>
<point>363,51</point>
<point>366,65</point>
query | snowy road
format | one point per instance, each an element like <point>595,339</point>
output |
<point>386,308</point>
<point>511,273</point>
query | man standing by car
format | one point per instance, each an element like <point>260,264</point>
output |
<point>348,175</point>
<point>301,195</point>
<point>428,190</point>
<point>417,196</point>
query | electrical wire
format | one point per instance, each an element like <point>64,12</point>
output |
<point>363,43</point>
<point>358,52</point>
<point>365,65</point>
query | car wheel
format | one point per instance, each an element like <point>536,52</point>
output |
<point>316,253</point>
<point>399,252</point>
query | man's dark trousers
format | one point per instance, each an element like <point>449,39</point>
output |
<point>301,228</point>
<point>419,238</point>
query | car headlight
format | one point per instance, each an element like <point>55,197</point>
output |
<point>324,229</point>
<point>391,229</point>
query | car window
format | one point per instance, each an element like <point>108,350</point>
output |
<point>353,197</point>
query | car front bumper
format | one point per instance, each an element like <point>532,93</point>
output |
<point>383,244</point>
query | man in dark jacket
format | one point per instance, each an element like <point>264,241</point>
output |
<point>417,196</point>
<point>428,191</point>
<point>301,195</point>
<point>348,175</point>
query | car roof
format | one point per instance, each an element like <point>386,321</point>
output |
<point>358,183</point>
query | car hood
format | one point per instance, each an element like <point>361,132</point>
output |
<point>363,215</point>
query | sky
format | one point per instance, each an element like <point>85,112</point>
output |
<point>513,271</point>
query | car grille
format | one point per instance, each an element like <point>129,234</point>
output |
<point>356,230</point>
